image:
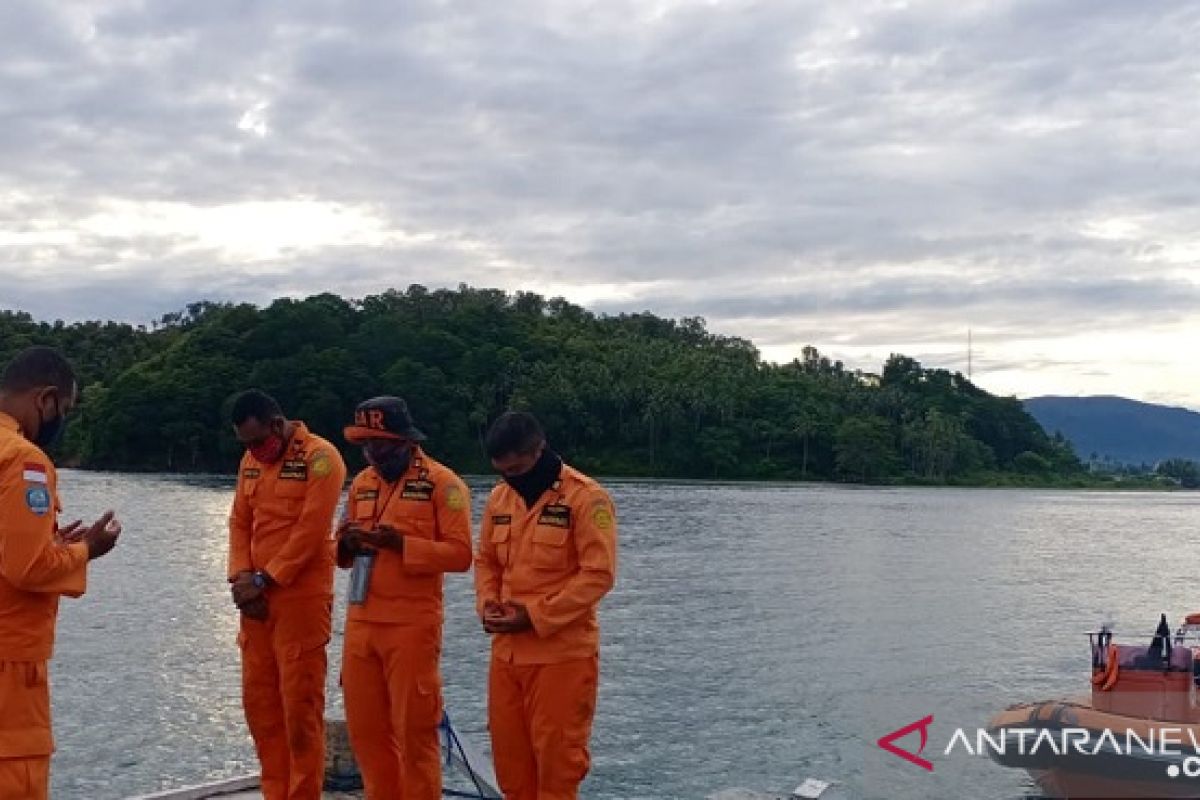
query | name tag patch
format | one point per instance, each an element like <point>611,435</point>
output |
<point>366,494</point>
<point>250,473</point>
<point>294,470</point>
<point>502,519</point>
<point>556,516</point>
<point>417,490</point>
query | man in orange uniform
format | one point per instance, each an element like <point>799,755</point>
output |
<point>281,568</point>
<point>408,520</point>
<point>38,562</point>
<point>547,555</point>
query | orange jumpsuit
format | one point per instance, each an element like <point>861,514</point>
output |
<point>559,559</point>
<point>281,523</point>
<point>34,570</point>
<point>390,675</point>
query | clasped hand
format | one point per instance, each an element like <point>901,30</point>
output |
<point>355,540</point>
<point>506,617</point>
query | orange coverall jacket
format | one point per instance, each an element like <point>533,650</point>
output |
<point>431,508</point>
<point>35,570</point>
<point>558,558</point>
<point>282,516</point>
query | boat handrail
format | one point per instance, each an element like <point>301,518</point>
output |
<point>1175,637</point>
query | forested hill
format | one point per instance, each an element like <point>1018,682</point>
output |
<point>620,395</point>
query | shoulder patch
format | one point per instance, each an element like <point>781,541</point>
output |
<point>37,499</point>
<point>602,516</point>
<point>455,501</point>
<point>34,472</point>
<point>321,465</point>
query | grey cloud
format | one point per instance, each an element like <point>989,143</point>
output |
<point>1068,298</point>
<point>859,151</point>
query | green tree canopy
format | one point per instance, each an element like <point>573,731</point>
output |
<point>631,394</point>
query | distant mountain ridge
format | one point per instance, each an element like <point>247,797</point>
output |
<point>1120,429</point>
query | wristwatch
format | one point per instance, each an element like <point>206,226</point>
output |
<point>260,579</point>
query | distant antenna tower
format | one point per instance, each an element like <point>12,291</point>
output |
<point>970,354</point>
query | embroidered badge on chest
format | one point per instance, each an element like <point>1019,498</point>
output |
<point>294,470</point>
<point>419,489</point>
<point>556,516</point>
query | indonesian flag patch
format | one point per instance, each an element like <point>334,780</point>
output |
<point>35,473</point>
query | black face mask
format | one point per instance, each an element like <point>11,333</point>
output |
<point>532,484</point>
<point>389,461</point>
<point>50,431</point>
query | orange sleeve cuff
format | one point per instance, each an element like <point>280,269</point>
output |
<point>74,583</point>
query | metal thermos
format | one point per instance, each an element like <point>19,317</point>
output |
<point>360,578</point>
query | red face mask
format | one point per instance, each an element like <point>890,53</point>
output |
<point>269,450</point>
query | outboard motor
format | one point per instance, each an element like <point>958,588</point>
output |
<point>1160,646</point>
<point>1100,647</point>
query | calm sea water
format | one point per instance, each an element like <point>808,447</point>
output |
<point>758,635</point>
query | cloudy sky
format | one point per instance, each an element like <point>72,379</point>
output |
<point>865,177</point>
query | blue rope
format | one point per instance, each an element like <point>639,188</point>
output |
<point>453,737</point>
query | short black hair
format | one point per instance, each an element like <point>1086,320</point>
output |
<point>257,404</point>
<point>513,432</point>
<point>37,367</point>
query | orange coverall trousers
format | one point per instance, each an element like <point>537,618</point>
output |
<point>283,693</point>
<point>25,698</point>
<point>540,716</point>
<point>393,693</point>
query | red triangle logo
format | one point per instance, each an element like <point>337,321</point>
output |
<point>921,725</point>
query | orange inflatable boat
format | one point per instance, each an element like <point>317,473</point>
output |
<point>1137,735</point>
